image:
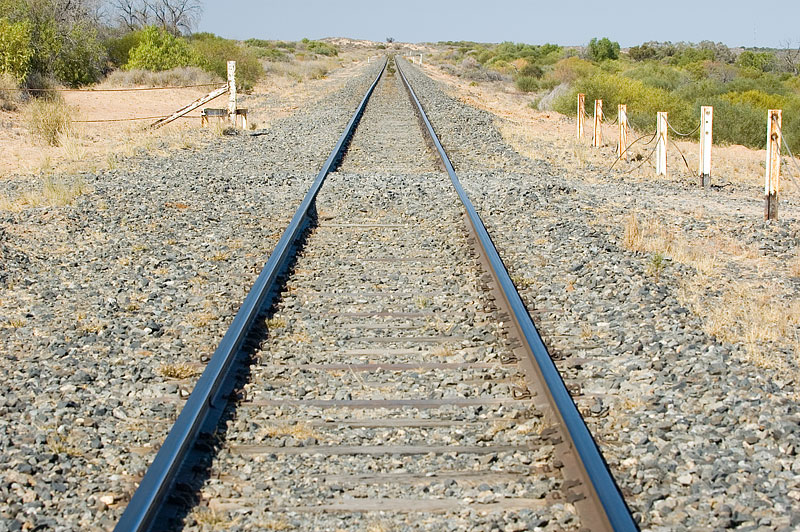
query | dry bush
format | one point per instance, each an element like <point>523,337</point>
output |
<point>302,70</point>
<point>10,95</point>
<point>48,119</point>
<point>175,77</point>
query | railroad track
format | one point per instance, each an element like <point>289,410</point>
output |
<point>382,372</point>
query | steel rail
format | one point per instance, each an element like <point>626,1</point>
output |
<point>149,497</point>
<point>614,508</point>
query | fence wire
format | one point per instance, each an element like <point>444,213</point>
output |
<point>124,89</point>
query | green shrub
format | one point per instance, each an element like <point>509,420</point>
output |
<point>81,57</point>
<point>602,49</point>
<point>527,83</point>
<point>759,61</point>
<point>571,69</point>
<point>643,102</point>
<point>15,48</point>
<point>532,70</point>
<point>658,76</point>
<point>320,48</point>
<point>270,54</point>
<point>212,53</point>
<point>119,48</point>
<point>159,50</point>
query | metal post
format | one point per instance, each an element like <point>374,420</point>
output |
<point>706,123</point>
<point>597,135</point>
<point>581,111</point>
<point>232,92</point>
<point>771,183</point>
<point>661,147</point>
<point>622,118</point>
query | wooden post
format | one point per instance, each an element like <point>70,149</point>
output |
<point>581,112</point>
<point>232,92</point>
<point>622,118</point>
<point>771,184</point>
<point>597,135</point>
<point>661,146</point>
<point>706,123</point>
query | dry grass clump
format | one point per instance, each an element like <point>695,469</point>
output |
<point>178,371</point>
<point>794,265</point>
<point>10,95</point>
<point>166,78</point>
<point>52,193</point>
<point>299,431</point>
<point>633,234</point>
<point>302,70</point>
<point>751,314</point>
<point>49,119</point>
<point>653,236</point>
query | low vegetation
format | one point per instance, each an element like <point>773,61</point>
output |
<point>676,78</point>
<point>48,119</point>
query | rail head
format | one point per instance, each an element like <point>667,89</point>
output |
<point>149,497</point>
<point>614,511</point>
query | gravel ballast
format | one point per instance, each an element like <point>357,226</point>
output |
<point>697,437</point>
<point>124,294</point>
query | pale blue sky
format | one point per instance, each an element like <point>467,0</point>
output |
<point>735,22</point>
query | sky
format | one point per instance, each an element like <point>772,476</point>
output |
<point>566,22</point>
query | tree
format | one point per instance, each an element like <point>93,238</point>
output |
<point>132,14</point>
<point>174,16</point>
<point>602,49</point>
<point>791,57</point>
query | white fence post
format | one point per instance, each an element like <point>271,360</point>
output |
<point>771,183</point>
<point>581,111</point>
<point>622,118</point>
<point>661,146</point>
<point>706,129</point>
<point>597,135</point>
<point>232,92</point>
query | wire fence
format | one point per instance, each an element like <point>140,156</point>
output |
<point>124,89</point>
<point>121,89</point>
<point>132,119</point>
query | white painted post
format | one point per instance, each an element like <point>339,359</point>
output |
<point>420,59</point>
<point>232,92</point>
<point>597,135</point>
<point>661,147</point>
<point>771,183</point>
<point>581,111</point>
<point>622,118</point>
<point>369,58</point>
<point>706,128</point>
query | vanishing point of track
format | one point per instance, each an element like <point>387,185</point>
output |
<point>421,393</point>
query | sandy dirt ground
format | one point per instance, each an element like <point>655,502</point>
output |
<point>93,146</point>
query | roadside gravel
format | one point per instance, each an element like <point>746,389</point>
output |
<point>697,437</point>
<point>123,294</point>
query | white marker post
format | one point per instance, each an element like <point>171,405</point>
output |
<point>597,135</point>
<point>771,183</point>
<point>622,118</point>
<point>232,92</point>
<point>661,146</point>
<point>581,112</point>
<point>706,128</point>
